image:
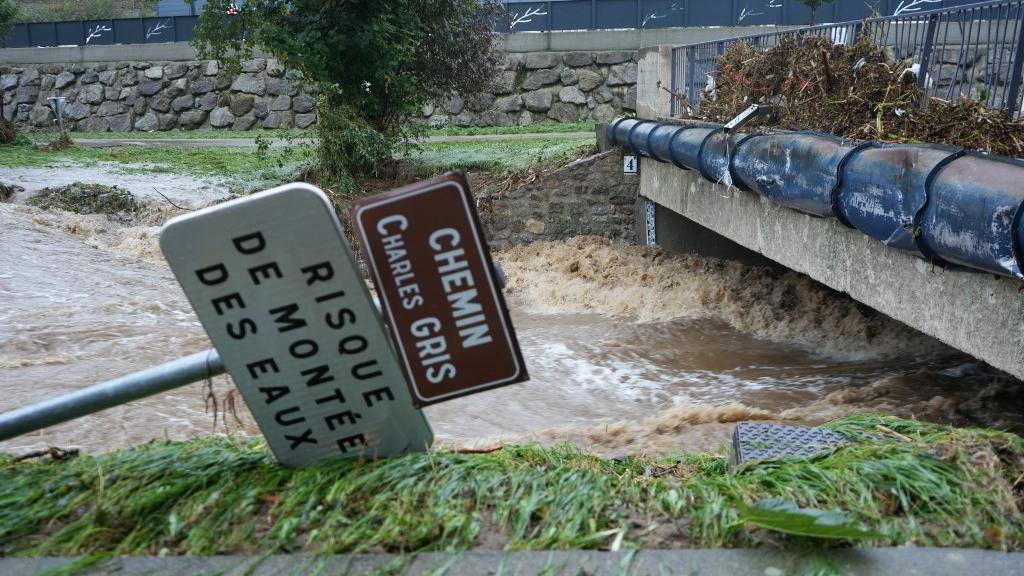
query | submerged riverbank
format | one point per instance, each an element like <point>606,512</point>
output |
<point>642,362</point>
<point>910,483</point>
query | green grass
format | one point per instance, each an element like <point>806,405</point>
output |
<point>497,156</point>
<point>538,128</point>
<point>182,135</point>
<point>913,483</point>
<point>244,169</point>
<point>247,169</point>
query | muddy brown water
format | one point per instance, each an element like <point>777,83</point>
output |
<point>630,350</point>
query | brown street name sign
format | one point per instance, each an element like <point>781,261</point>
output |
<point>438,289</point>
<point>276,287</point>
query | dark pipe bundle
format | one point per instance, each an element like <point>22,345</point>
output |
<point>950,206</point>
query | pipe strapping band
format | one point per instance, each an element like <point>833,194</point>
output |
<point>611,130</point>
<point>700,155</point>
<point>672,147</point>
<point>1017,237</point>
<point>629,138</point>
<point>919,242</point>
<point>736,180</point>
<point>837,188</point>
<point>650,147</point>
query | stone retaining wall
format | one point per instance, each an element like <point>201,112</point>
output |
<point>148,96</point>
<point>565,87</point>
<point>588,197</point>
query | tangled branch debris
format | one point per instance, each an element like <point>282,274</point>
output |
<point>855,91</point>
<point>88,199</point>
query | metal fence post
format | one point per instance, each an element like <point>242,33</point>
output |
<point>690,52</point>
<point>672,99</point>
<point>1015,73</point>
<point>926,58</point>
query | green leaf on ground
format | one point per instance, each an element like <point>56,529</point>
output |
<point>786,516</point>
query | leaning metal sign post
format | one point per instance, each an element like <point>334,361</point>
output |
<point>275,285</point>
<point>438,289</point>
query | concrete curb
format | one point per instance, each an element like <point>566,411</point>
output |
<point>876,561</point>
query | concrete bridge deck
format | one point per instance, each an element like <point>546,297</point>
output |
<point>977,313</point>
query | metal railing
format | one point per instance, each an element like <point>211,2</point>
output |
<point>101,32</point>
<point>974,51</point>
<point>543,16</point>
<point>522,16</point>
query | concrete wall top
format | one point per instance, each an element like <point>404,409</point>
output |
<point>595,40</point>
<point>167,52</point>
<point>562,41</point>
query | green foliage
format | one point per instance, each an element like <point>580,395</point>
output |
<point>8,13</point>
<point>348,144</point>
<point>378,61</point>
<point>926,485</point>
<point>63,10</point>
<point>814,5</point>
<point>9,133</point>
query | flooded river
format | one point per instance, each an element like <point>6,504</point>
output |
<point>629,350</point>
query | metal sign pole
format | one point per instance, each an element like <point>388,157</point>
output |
<point>161,378</point>
<point>148,382</point>
<point>182,371</point>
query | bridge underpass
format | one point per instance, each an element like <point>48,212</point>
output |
<point>976,312</point>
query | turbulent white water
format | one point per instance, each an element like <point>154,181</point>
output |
<point>629,350</point>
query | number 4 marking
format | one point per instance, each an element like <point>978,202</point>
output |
<point>629,165</point>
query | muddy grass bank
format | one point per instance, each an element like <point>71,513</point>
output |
<point>526,189</point>
<point>243,170</point>
<point>901,483</point>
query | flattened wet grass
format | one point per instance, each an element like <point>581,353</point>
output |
<point>911,482</point>
<point>251,169</point>
<point>500,156</point>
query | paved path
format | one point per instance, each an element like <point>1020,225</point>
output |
<point>718,562</point>
<point>250,142</point>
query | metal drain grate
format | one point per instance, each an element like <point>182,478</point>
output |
<point>752,442</point>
